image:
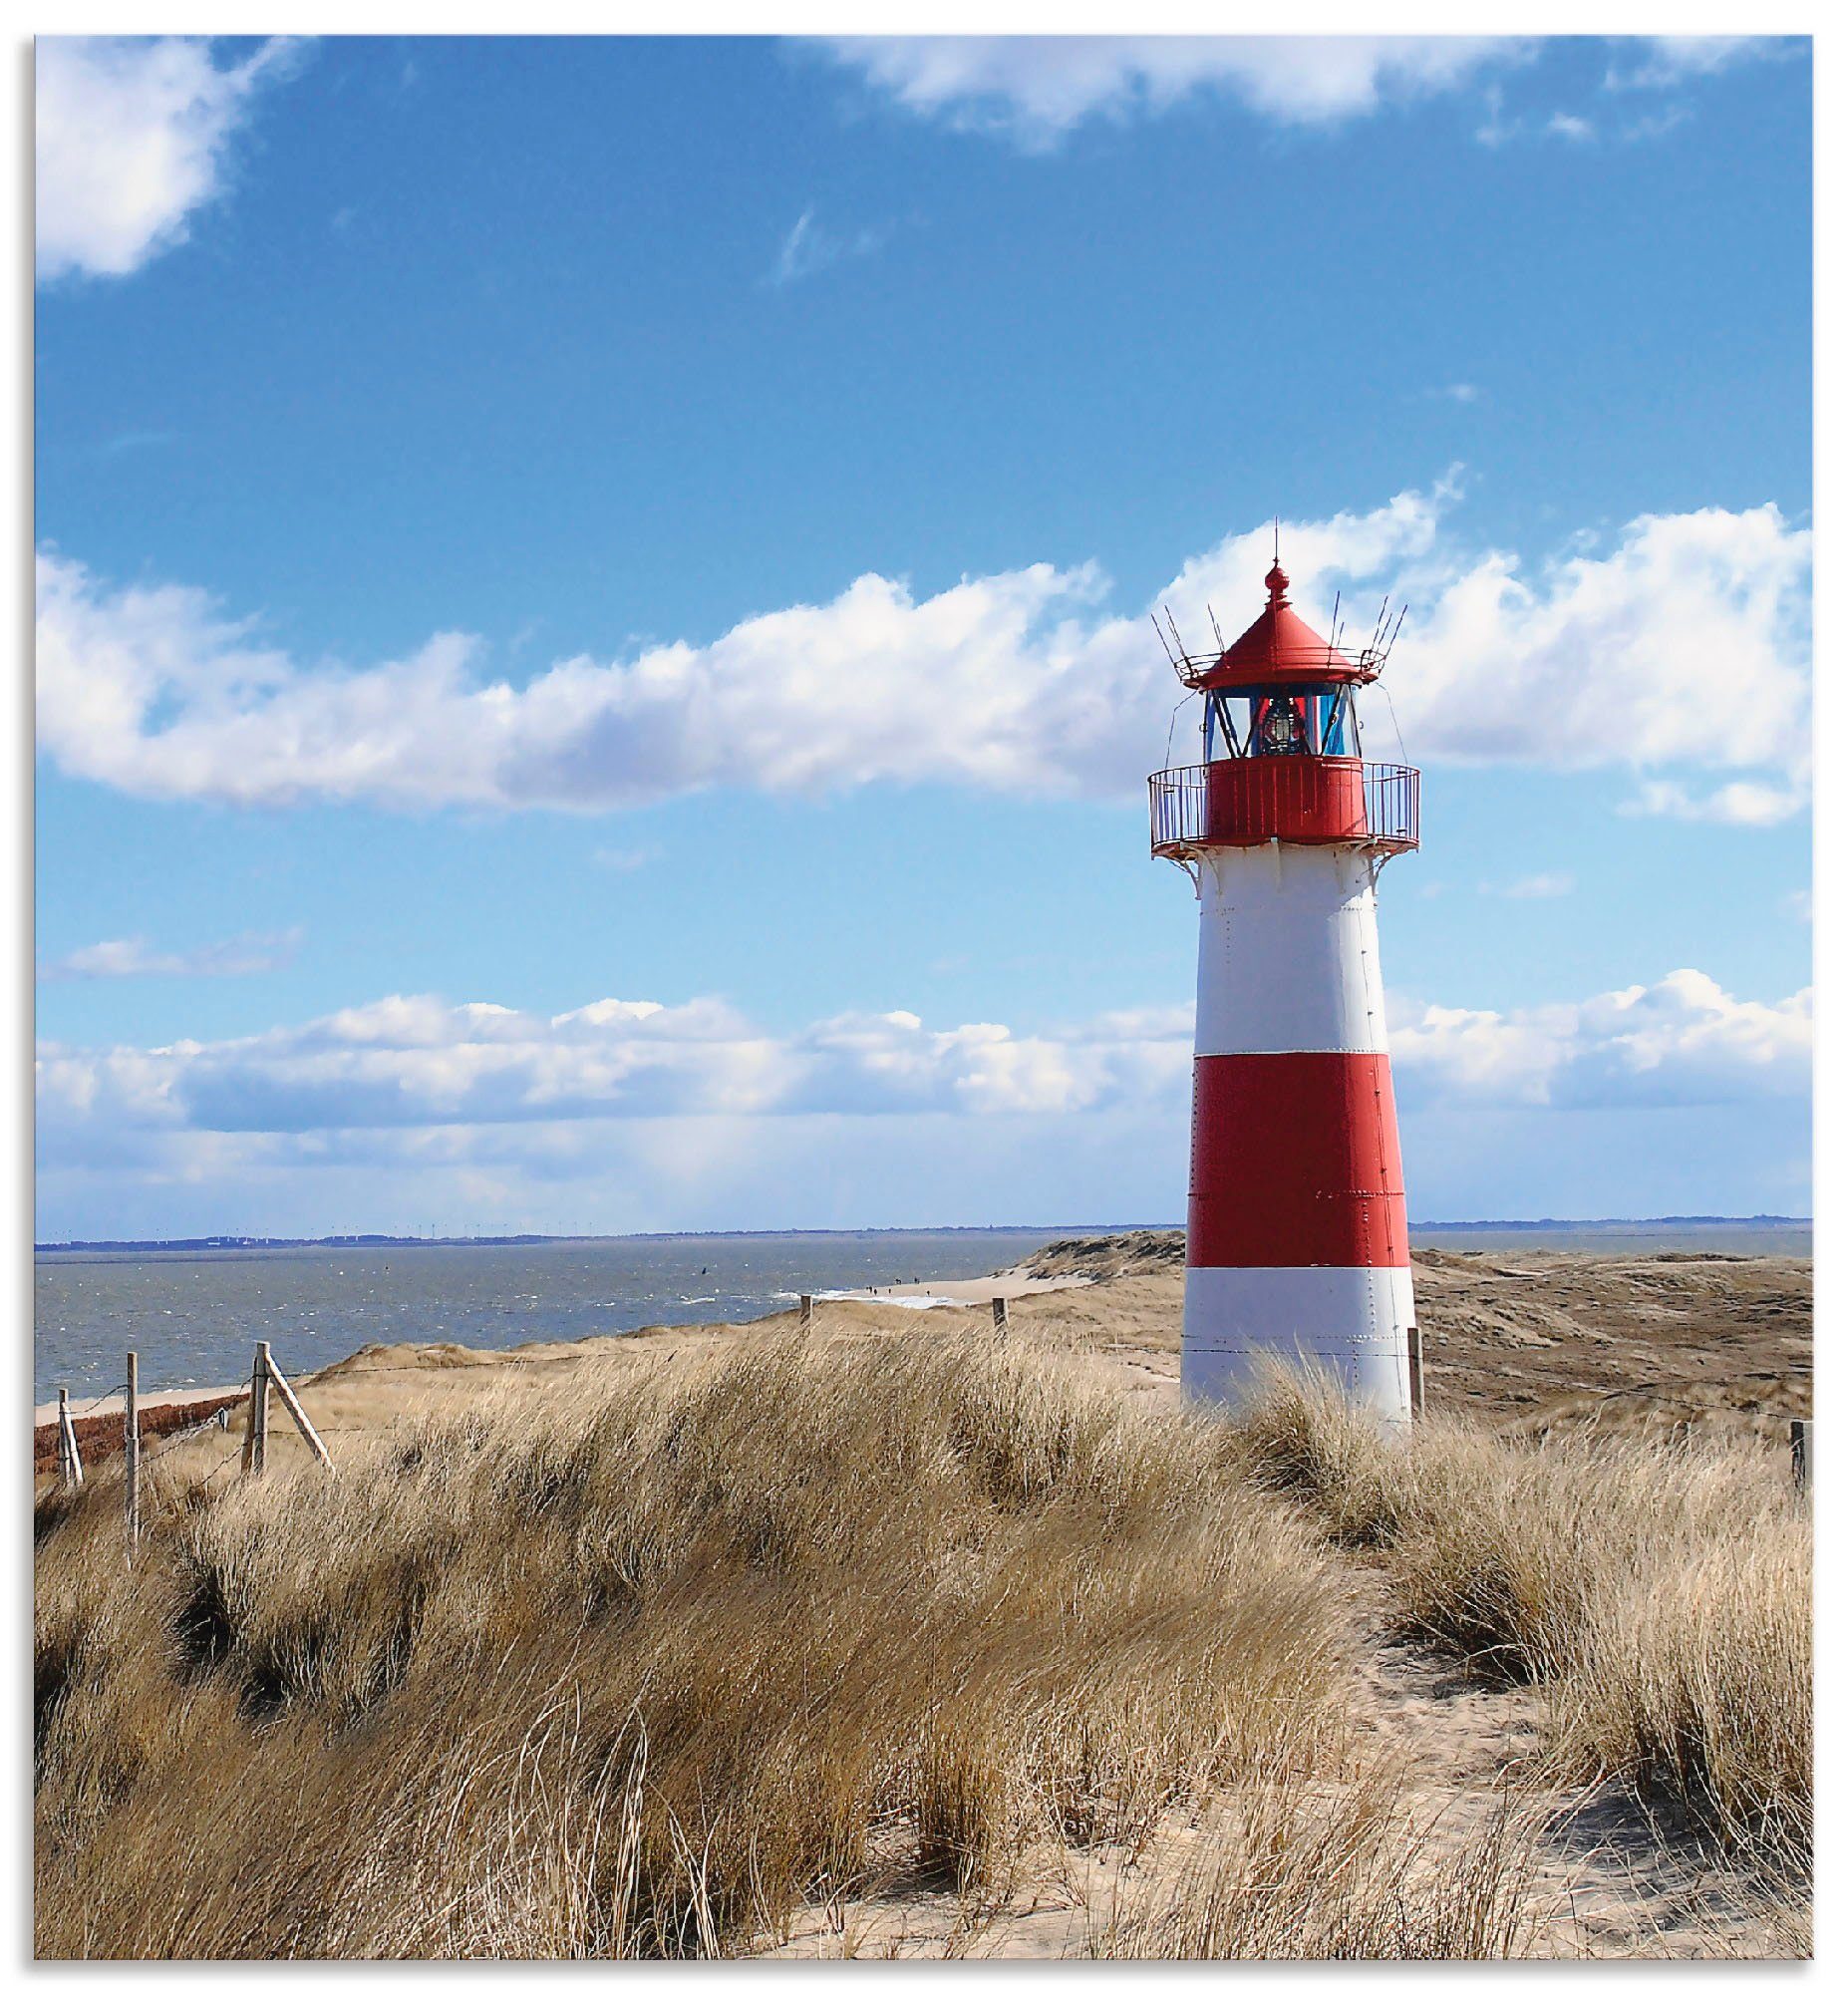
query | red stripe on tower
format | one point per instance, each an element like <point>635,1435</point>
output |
<point>1295,1163</point>
<point>1297,1243</point>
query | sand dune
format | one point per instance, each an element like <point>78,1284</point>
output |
<point>1527,1343</point>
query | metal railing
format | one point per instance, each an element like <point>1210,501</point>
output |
<point>1177,807</point>
<point>1392,791</point>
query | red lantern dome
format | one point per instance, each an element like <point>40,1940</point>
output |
<point>1279,650</point>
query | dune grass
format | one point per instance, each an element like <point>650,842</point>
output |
<point>1287,1870</point>
<point>1658,1589</point>
<point>642,1679</point>
<point>812,1618</point>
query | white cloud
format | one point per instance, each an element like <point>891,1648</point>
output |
<point>416,1062</point>
<point>1756,804</point>
<point>1033,88</point>
<point>1539,886</point>
<point>1683,645</point>
<point>134,138</point>
<point>808,247</point>
<point>1639,62</point>
<point>1655,124</point>
<point>1498,129</point>
<point>1677,1043</point>
<point>637,1113</point>
<point>1495,128</point>
<point>626,859</point>
<point>1661,62</point>
<point>1688,642</point>
<point>242,955</point>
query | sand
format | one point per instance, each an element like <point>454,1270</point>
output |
<point>1527,1340</point>
<point>1011,1286</point>
<point>111,1404</point>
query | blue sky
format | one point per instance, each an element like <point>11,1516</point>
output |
<point>593,661</point>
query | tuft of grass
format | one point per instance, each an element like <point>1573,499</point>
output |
<point>1698,1681</point>
<point>641,1679</point>
<point>1304,1438</point>
<point>1285,1870</point>
<point>1657,1588</point>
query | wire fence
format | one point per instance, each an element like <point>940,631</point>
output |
<point>266,1376</point>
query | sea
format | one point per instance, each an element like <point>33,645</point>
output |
<point>193,1314</point>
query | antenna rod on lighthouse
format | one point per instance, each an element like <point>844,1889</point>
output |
<point>1172,625</point>
<point>1165,642</point>
<point>1393,639</point>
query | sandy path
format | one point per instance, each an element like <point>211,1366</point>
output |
<point>1606,1880</point>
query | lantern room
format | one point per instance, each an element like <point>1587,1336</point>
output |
<point>1280,689</point>
<point>1281,746</point>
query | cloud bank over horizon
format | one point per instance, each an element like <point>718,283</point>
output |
<point>1676,647</point>
<point>529,1110</point>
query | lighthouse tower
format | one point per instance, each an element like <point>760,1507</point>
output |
<point>1297,1244</point>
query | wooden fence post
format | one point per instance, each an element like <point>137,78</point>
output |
<point>69,1461</point>
<point>1417,1369</point>
<point>1799,1453</point>
<point>1000,1306</point>
<point>256,1438</point>
<point>131,1454</point>
<point>286,1392</point>
<point>808,1309</point>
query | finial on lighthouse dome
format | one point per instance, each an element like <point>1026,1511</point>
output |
<point>1277,582</point>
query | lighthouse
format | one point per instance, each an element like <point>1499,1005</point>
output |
<point>1297,1244</point>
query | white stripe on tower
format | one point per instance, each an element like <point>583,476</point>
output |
<point>1289,952</point>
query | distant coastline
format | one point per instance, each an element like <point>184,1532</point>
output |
<point>242,1242</point>
<point>1761,1219</point>
<point>219,1242</point>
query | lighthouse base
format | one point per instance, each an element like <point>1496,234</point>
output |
<point>1355,1322</point>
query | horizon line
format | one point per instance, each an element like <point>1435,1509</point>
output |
<point>173,1242</point>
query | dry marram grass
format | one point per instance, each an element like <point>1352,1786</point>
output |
<point>1286,1871</point>
<point>643,1679</point>
<point>733,1638</point>
<point>1658,1589</point>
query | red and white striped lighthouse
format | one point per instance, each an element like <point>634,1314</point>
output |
<point>1297,1244</point>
